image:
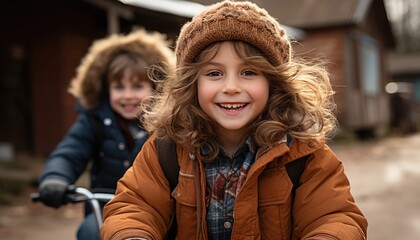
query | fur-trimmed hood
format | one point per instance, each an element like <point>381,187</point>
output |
<point>87,84</point>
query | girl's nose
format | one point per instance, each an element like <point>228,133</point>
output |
<point>232,85</point>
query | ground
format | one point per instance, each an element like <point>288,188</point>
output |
<point>20,218</point>
<point>384,175</point>
<point>385,178</point>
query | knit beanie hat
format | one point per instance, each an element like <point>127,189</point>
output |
<point>229,20</point>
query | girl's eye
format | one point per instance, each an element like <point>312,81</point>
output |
<point>249,72</point>
<point>214,74</point>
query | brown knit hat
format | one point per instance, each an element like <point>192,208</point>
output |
<point>229,20</point>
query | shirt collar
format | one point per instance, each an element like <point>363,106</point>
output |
<point>205,149</point>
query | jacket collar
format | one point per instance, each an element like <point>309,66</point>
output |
<point>296,150</point>
<point>300,148</point>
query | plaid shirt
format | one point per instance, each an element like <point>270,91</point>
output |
<point>225,177</point>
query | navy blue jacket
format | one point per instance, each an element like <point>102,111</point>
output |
<point>79,148</point>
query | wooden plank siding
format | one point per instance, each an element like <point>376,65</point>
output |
<point>53,36</point>
<point>356,110</point>
<point>329,45</point>
<point>370,111</point>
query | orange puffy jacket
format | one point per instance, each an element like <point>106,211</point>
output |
<point>323,207</point>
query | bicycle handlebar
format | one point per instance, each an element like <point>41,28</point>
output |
<point>80,194</point>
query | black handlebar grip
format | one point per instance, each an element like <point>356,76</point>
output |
<point>35,197</point>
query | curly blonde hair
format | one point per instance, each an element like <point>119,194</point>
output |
<point>300,103</point>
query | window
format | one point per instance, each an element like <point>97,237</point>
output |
<point>369,66</point>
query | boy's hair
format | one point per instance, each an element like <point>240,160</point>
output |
<point>300,100</point>
<point>131,62</point>
<point>153,47</point>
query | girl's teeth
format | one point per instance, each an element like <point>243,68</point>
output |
<point>232,106</point>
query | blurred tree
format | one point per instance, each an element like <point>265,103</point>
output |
<point>404,16</point>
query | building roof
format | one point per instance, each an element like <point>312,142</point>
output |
<point>181,8</point>
<point>318,14</point>
<point>313,13</point>
<point>188,9</point>
<point>308,14</point>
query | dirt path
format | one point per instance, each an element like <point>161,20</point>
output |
<point>385,177</point>
<point>27,220</point>
<point>23,219</point>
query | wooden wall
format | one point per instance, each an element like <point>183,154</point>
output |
<point>54,36</point>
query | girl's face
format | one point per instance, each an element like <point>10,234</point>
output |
<point>232,92</point>
<point>127,94</point>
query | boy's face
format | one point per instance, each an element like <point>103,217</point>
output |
<point>126,95</point>
<point>232,92</point>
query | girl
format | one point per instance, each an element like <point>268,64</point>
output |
<point>111,82</point>
<point>237,98</point>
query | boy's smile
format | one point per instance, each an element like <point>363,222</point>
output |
<point>232,92</point>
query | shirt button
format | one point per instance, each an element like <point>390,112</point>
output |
<point>121,146</point>
<point>126,163</point>
<point>227,225</point>
<point>107,121</point>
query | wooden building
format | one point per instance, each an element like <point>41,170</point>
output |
<point>43,42</point>
<point>405,92</point>
<point>41,45</point>
<point>355,37</point>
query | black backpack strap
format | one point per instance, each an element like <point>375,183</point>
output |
<point>168,161</point>
<point>294,170</point>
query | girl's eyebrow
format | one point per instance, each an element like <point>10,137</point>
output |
<point>213,63</point>
<point>218,64</point>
